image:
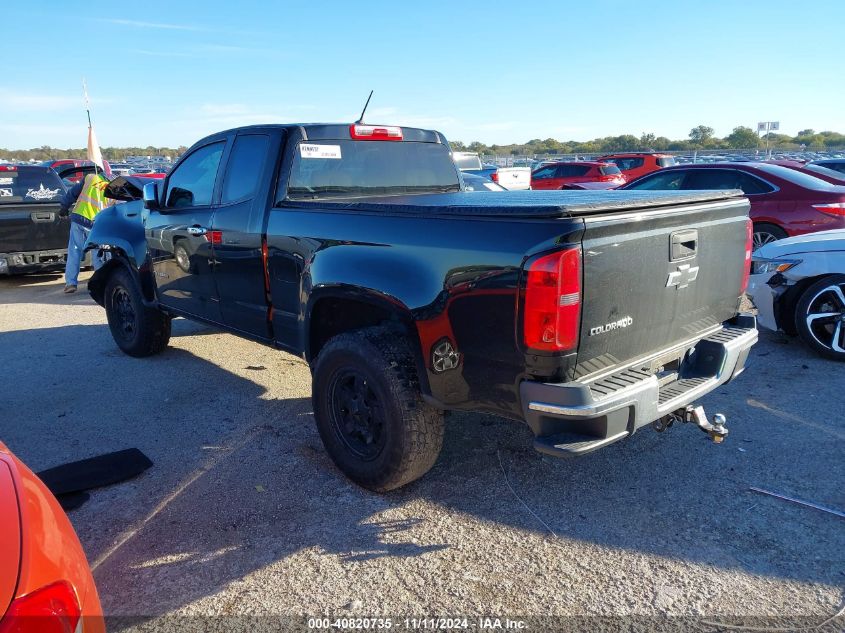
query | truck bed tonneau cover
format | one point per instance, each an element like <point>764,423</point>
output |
<point>536,204</point>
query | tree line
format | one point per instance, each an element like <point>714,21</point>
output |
<point>111,154</point>
<point>701,137</point>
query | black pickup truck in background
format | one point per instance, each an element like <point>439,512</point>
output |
<point>587,315</point>
<point>33,238</point>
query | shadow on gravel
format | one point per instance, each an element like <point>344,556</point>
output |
<point>241,480</point>
<point>23,281</point>
<point>51,293</point>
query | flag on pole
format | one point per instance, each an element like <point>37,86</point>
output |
<point>93,154</point>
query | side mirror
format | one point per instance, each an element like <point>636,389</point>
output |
<point>150,196</point>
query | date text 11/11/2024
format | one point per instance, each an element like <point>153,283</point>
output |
<point>414,624</point>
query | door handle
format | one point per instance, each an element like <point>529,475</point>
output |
<point>197,230</point>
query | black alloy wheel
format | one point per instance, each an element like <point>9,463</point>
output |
<point>126,324</point>
<point>357,416</point>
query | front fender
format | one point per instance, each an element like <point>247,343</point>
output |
<point>120,228</point>
<point>119,231</point>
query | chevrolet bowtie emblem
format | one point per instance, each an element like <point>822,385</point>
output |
<point>683,277</point>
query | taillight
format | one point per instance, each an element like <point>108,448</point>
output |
<point>51,609</point>
<point>749,245</point>
<point>8,168</point>
<point>375,132</point>
<point>494,176</point>
<point>831,208</point>
<point>553,301</point>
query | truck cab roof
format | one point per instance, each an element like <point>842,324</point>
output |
<point>330,131</point>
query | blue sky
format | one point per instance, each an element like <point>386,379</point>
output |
<point>167,73</point>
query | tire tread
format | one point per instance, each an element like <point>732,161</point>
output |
<point>421,426</point>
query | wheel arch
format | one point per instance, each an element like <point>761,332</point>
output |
<point>788,303</point>
<point>336,310</point>
<point>121,260</point>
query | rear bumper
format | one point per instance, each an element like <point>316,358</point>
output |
<point>32,261</point>
<point>584,416</point>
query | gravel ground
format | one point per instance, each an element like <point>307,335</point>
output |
<point>243,512</point>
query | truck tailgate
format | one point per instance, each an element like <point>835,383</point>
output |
<point>654,280</point>
<point>514,178</point>
<point>27,227</point>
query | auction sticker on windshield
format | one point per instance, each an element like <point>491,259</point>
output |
<point>319,151</point>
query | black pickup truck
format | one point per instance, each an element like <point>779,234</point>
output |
<point>586,315</point>
<point>33,238</point>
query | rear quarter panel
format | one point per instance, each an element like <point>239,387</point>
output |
<point>451,277</point>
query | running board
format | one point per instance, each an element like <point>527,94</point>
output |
<point>573,444</point>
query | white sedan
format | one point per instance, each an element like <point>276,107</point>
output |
<point>798,286</point>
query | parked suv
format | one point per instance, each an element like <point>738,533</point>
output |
<point>636,164</point>
<point>556,175</point>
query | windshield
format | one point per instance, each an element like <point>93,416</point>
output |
<point>824,171</point>
<point>796,177</point>
<point>33,184</point>
<point>609,170</point>
<point>467,161</point>
<point>342,168</point>
<point>666,161</point>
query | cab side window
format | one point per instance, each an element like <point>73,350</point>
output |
<point>544,173</point>
<point>244,168</point>
<point>751,184</point>
<point>192,183</point>
<point>660,181</point>
<point>628,163</point>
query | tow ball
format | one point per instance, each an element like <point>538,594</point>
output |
<point>716,430</point>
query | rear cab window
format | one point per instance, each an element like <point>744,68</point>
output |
<point>348,168</point>
<point>30,185</point>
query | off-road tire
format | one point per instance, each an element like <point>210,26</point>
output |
<point>808,304</point>
<point>138,329</point>
<point>411,430</point>
<point>765,233</point>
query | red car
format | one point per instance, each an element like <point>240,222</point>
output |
<point>784,201</point>
<point>636,164</point>
<point>45,582</point>
<point>558,175</point>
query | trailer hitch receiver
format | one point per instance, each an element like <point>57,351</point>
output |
<point>716,430</point>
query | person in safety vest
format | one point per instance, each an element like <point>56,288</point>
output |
<point>87,198</point>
